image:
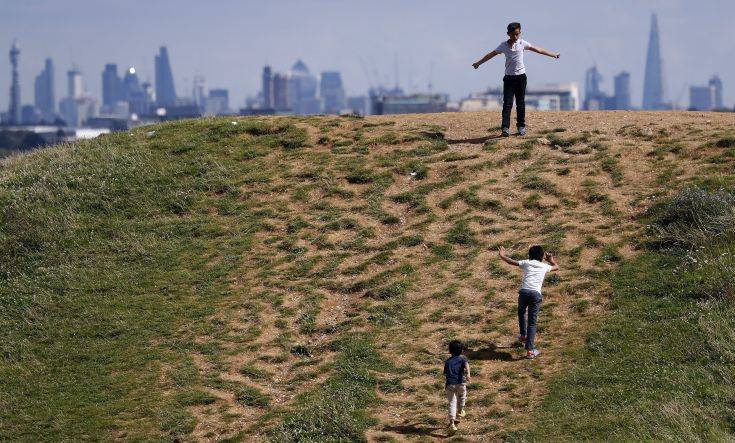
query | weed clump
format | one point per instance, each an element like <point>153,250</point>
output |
<point>727,142</point>
<point>461,234</point>
<point>693,218</point>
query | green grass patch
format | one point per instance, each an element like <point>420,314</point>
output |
<point>337,410</point>
<point>461,234</point>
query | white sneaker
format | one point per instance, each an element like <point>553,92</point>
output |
<point>533,353</point>
<point>452,428</point>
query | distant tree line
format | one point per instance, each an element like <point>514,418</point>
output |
<point>11,141</point>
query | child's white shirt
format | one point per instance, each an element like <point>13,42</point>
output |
<point>534,272</point>
<point>513,56</point>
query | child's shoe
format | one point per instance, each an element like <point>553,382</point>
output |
<point>522,338</point>
<point>452,428</point>
<point>532,353</point>
<point>522,131</point>
<point>461,414</point>
<point>505,132</point>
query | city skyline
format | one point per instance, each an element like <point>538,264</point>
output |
<point>229,46</point>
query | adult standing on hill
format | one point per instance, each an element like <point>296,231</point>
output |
<point>514,82</point>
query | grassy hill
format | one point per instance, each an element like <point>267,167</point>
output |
<point>299,278</point>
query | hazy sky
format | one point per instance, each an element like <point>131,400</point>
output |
<point>229,41</point>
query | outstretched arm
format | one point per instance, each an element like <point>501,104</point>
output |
<point>505,258</point>
<point>551,259</point>
<point>543,51</point>
<point>487,57</point>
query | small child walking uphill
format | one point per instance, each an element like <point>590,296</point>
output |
<point>457,373</point>
<point>514,82</point>
<point>529,296</point>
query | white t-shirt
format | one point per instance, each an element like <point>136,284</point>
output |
<point>514,56</point>
<point>534,272</point>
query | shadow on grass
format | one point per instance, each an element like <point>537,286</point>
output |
<point>417,429</point>
<point>490,352</point>
<point>474,141</point>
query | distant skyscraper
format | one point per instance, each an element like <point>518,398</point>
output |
<point>302,90</point>
<point>165,91</point>
<point>653,87</point>
<point>357,105</point>
<point>29,115</point>
<point>622,91</point>
<point>332,92</point>
<point>199,91</point>
<point>594,97</point>
<point>139,100</point>
<point>280,93</point>
<point>111,85</point>
<point>701,98</point>
<point>44,96</point>
<point>716,84</point>
<point>74,86</point>
<point>267,88</point>
<point>77,107</point>
<point>217,103</point>
<point>14,110</point>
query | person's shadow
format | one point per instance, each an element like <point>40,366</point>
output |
<point>416,429</point>
<point>490,352</point>
<point>474,141</point>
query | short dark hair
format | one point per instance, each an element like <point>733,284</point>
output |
<point>513,26</point>
<point>456,347</point>
<point>536,252</point>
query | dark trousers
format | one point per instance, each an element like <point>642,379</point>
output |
<point>531,301</point>
<point>514,86</point>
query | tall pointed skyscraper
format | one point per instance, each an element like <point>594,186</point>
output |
<point>14,107</point>
<point>165,91</point>
<point>653,87</point>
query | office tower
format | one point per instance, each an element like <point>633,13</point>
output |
<point>29,115</point>
<point>165,91</point>
<point>267,88</point>
<point>111,85</point>
<point>149,91</point>
<point>594,98</point>
<point>199,91</point>
<point>653,87</point>
<point>332,92</point>
<point>130,84</point>
<point>622,91</point>
<point>74,86</point>
<point>357,105</point>
<point>302,90</point>
<point>716,84</point>
<point>138,98</point>
<point>43,89</point>
<point>701,98</point>
<point>76,107</point>
<point>14,110</point>
<point>280,93</point>
<point>217,103</point>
